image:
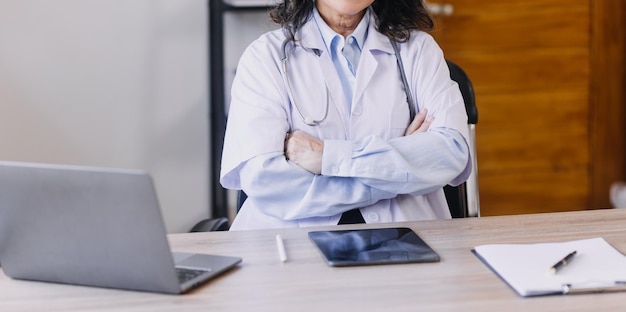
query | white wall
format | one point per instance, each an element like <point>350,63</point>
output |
<point>114,83</point>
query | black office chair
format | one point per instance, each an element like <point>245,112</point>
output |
<point>211,225</point>
<point>462,200</point>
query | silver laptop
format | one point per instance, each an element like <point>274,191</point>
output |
<point>92,226</point>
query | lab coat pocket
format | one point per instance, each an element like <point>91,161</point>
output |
<point>399,119</point>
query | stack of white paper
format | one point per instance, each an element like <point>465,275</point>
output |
<point>597,266</point>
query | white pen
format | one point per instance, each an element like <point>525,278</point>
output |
<point>281,248</point>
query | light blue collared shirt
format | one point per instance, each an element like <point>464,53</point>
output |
<point>335,44</point>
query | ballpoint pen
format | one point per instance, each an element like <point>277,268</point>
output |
<point>563,262</point>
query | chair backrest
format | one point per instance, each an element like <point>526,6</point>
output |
<point>463,200</point>
<point>467,91</point>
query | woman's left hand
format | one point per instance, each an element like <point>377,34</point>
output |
<point>305,151</point>
<point>420,123</point>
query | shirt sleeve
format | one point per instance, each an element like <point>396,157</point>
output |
<point>286,191</point>
<point>417,164</point>
<point>422,162</point>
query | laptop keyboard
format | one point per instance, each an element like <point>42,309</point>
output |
<point>187,274</point>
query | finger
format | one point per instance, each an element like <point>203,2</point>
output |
<point>425,125</point>
<point>417,122</point>
<point>288,146</point>
<point>294,144</point>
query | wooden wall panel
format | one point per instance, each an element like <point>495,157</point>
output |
<point>525,71</point>
<point>608,99</point>
<point>534,191</point>
<point>514,25</point>
<point>541,109</point>
<point>513,145</point>
<point>530,65</point>
<point>518,152</point>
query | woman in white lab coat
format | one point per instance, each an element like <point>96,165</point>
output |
<point>327,136</point>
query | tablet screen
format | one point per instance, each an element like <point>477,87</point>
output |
<point>372,246</point>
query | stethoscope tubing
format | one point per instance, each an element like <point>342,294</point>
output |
<point>306,119</point>
<point>315,122</point>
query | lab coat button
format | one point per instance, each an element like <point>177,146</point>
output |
<point>372,216</point>
<point>335,169</point>
<point>357,111</point>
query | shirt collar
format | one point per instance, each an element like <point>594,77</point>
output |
<point>328,34</point>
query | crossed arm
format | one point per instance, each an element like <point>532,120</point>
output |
<point>306,151</point>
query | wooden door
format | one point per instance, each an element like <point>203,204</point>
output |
<point>534,65</point>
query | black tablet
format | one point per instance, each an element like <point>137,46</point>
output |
<point>372,246</point>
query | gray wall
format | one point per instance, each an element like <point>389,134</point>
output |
<point>114,83</point>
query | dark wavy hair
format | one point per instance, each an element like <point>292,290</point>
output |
<point>394,18</point>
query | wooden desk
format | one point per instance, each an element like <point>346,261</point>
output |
<point>460,282</point>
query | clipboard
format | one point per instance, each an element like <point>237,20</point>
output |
<point>597,267</point>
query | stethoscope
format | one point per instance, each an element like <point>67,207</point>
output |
<point>315,122</point>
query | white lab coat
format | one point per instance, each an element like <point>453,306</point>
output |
<point>281,194</point>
